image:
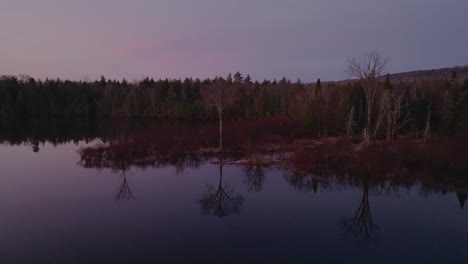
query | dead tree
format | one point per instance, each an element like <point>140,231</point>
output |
<point>392,115</point>
<point>368,68</point>
<point>220,95</point>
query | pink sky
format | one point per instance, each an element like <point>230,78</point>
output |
<point>266,38</point>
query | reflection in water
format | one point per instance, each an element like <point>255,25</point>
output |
<point>135,150</point>
<point>59,131</point>
<point>361,226</point>
<point>221,201</point>
<point>254,177</point>
<point>124,192</point>
<point>313,215</point>
<point>35,146</point>
<point>308,182</point>
<point>388,188</point>
<point>462,199</point>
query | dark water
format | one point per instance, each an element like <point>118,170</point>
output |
<point>53,210</point>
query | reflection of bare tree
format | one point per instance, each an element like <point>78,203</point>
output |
<point>221,201</point>
<point>388,188</point>
<point>254,177</point>
<point>361,226</point>
<point>124,192</point>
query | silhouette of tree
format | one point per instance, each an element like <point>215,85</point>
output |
<point>238,78</point>
<point>229,78</point>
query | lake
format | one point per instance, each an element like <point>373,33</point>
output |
<point>55,210</point>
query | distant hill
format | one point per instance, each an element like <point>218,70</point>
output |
<point>462,74</point>
<point>434,74</point>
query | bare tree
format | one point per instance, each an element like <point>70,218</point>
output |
<point>220,95</point>
<point>368,68</point>
<point>392,114</point>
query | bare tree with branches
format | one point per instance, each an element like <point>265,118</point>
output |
<point>392,115</point>
<point>220,95</point>
<point>368,68</point>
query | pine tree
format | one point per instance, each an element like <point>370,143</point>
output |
<point>238,77</point>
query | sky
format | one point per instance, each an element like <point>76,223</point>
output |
<point>306,39</point>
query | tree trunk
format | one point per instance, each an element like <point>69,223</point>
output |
<point>370,93</point>
<point>220,130</point>
<point>368,129</point>
<point>427,130</point>
<point>366,137</point>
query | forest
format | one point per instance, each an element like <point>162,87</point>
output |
<point>375,123</point>
<point>414,107</point>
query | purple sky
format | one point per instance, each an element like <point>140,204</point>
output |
<point>203,38</point>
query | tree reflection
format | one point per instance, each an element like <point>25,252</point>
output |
<point>35,146</point>
<point>361,226</point>
<point>462,199</point>
<point>254,177</point>
<point>303,183</point>
<point>124,192</point>
<point>221,201</point>
<point>308,182</point>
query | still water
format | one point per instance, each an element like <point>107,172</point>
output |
<point>53,210</point>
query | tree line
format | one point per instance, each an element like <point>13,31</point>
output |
<point>325,109</point>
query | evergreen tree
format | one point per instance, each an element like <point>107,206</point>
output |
<point>229,78</point>
<point>248,80</point>
<point>103,81</point>
<point>238,78</point>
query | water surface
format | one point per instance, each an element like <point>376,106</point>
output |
<point>54,210</point>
